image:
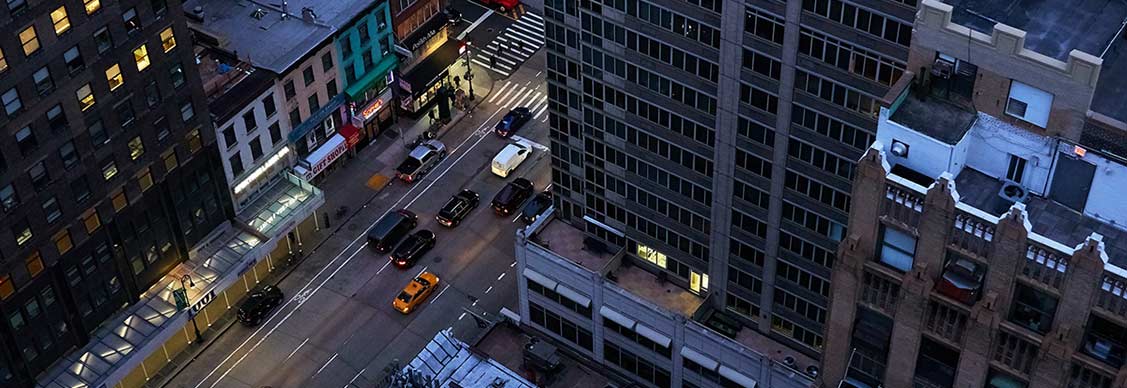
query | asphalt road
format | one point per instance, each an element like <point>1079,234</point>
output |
<point>337,327</point>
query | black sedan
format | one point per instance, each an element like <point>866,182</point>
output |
<point>512,196</point>
<point>512,121</point>
<point>412,248</point>
<point>536,207</point>
<point>259,304</point>
<point>457,208</point>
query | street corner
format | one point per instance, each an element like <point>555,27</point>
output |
<point>377,182</point>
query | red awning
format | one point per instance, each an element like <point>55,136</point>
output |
<point>351,133</point>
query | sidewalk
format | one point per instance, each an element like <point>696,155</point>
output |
<point>344,187</point>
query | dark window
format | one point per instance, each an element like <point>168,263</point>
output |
<point>1033,308</point>
<point>236,164</point>
<point>229,136</point>
<point>177,75</point>
<point>132,22</point>
<point>102,39</point>
<point>295,117</point>
<point>331,88</point>
<point>68,154</point>
<point>80,189</point>
<point>26,140</point>
<point>160,7</point>
<point>152,94</point>
<point>1016,170</point>
<point>289,89</point>
<point>326,62</point>
<point>276,133</point>
<point>362,30</point>
<point>307,74</point>
<point>8,197</point>
<point>256,148</point>
<point>125,113</point>
<point>268,106</point>
<point>43,81</point>
<point>249,122</point>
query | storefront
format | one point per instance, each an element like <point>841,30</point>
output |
<point>319,127</point>
<point>426,39</point>
<point>371,119</point>
<point>420,85</point>
<point>322,158</point>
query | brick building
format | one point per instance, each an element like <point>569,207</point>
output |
<point>986,243</point>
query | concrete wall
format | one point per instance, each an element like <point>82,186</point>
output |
<point>321,78</point>
<point>244,138</point>
<point>1105,197</point>
<point>992,141</point>
<point>925,154</point>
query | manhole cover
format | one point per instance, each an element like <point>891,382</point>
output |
<point>438,259</point>
<point>353,226</point>
<point>490,29</point>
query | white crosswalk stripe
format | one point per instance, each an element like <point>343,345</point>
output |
<point>513,46</point>
<point>514,95</point>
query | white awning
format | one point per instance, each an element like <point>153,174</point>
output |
<point>573,295</point>
<point>699,358</point>
<point>617,317</point>
<point>538,278</point>
<point>653,335</point>
<point>737,377</point>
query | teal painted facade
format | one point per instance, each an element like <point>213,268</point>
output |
<point>366,52</point>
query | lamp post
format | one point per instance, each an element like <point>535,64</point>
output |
<point>469,70</point>
<point>188,279</point>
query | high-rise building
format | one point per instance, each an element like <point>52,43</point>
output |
<point>108,169</point>
<point>720,137</point>
<point>986,245</point>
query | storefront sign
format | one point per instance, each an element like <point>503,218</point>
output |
<point>325,156</point>
<point>203,302</point>
<point>371,109</point>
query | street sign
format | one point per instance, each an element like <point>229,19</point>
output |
<point>181,297</point>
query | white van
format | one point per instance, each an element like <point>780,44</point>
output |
<point>510,158</point>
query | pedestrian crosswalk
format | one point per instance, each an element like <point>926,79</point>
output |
<point>515,94</point>
<point>513,46</point>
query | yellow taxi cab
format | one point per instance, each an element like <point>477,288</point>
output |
<point>415,293</point>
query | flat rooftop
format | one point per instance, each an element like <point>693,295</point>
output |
<point>773,349</point>
<point>1056,27</point>
<point>936,117</point>
<point>1049,218</point>
<point>230,84</point>
<point>505,344</point>
<point>648,286</point>
<point>451,362</point>
<point>568,242</point>
<point>265,38</point>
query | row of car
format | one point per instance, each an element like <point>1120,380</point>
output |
<point>430,153</point>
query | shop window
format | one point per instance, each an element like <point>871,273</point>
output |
<point>29,40</point>
<point>60,20</point>
<point>1033,309</point>
<point>113,77</point>
<point>141,56</point>
<point>63,242</point>
<point>898,249</point>
<point>1105,341</point>
<point>167,39</point>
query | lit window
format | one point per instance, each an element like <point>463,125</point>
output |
<point>22,231</point>
<point>29,40</point>
<point>34,264</point>
<point>145,180</point>
<point>85,97</point>
<point>91,220</point>
<point>109,170</point>
<point>167,40</point>
<point>6,287</point>
<point>141,56</point>
<point>92,6</point>
<point>113,76</point>
<point>59,18</point>
<point>652,255</point>
<point>63,242</point>
<point>170,161</point>
<point>136,148</point>
<point>119,200</point>
<point>194,141</point>
<point>3,62</point>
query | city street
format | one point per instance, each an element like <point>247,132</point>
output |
<point>337,326</point>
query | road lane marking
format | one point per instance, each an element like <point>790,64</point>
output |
<point>480,19</point>
<point>502,90</point>
<point>358,374</point>
<point>326,363</point>
<point>502,276</point>
<point>421,272</point>
<point>538,74</point>
<point>461,316</point>
<point>385,265</point>
<point>462,155</point>
<point>297,348</point>
<point>513,264</point>
<point>516,218</point>
<point>439,293</point>
<point>326,267</point>
<point>542,109</point>
<point>487,291</point>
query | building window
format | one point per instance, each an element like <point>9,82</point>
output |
<point>145,180</point>
<point>195,143</point>
<point>362,30</point>
<point>177,75</point>
<point>187,112</point>
<point>3,62</point>
<point>236,162</point>
<point>56,119</point>
<point>6,287</point>
<point>314,103</point>
<point>652,255</point>
<point>152,94</point>
<point>12,102</point>
<point>1029,104</point>
<point>331,88</point>
<point>68,154</point>
<point>119,200</point>
<point>268,106</point>
<point>160,7</point>
<point>38,175</point>
<point>1033,308</point>
<point>275,133</point>
<point>43,81</point>
<point>167,39</point>
<point>229,136</point>
<point>34,264</point>
<point>26,140</point>
<point>63,242</point>
<point>307,75</point>
<point>73,59</point>
<point>16,7</point>
<point>136,147</point>
<point>249,123</point>
<point>21,230</point>
<point>295,117</point>
<point>170,160</point>
<point>81,190</point>
<point>109,170</point>
<point>29,40</point>
<point>51,210</point>
<point>898,249</point>
<point>125,113</point>
<point>1016,170</point>
<point>326,62</point>
<point>60,20</point>
<point>132,23</point>
<point>256,148</point>
<point>92,6</point>
<point>85,97</point>
<point>289,90</point>
<point>8,197</point>
<point>91,221</point>
<point>141,56</point>
<point>113,76</point>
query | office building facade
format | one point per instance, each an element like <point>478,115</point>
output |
<point>108,173</point>
<point>720,137</point>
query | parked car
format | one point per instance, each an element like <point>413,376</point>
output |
<point>416,292</point>
<point>421,160</point>
<point>537,206</point>
<point>504,5</point>
<point>391,228</point>
<point>258,304</point>
<point>512,121</point>
<point>962,280</point>
<point>512,196</point>
<point>412,248</point>
<point>510,157</point>
<point>457,208</point>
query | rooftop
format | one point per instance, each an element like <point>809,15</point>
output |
<point>570,243</point>
<point>939,118</point>
<point>228,82</point>
<point>256,30</point>
<point>1056,27</point>
<point>505,344</point>
<point>453,363</point>
<point>650,287</point>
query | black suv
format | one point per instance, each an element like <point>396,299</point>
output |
<point>457,208</point>
<point>534,208</point>
<point>512,196</point>
<point>414,247</point>
<point>258,305</point>
<point>391,228</point>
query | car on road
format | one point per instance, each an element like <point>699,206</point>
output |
<point>537,206</point>
<point>457,208</point>
<point>416,292</point>
<point>512,196</point>
<point>504,5</point>
<point>412,248</point>
<point>512,121</point>
<point>391,228</point>
<point>510,157</point>
<point>421,160</point>
<point>258,304</point>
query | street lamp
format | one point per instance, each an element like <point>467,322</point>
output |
<point>188,279</point>
<point>469,70</point>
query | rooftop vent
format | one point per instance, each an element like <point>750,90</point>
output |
<point>196,15</point>
<point>258,13</point>
<point>308,15</point>
<point>1013,192</point>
